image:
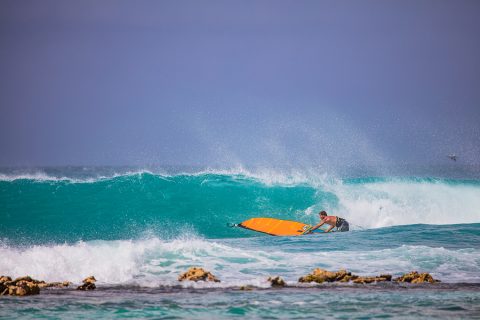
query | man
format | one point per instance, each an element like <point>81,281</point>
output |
<point>333,221</point>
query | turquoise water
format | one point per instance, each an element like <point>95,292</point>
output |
<point>136,230</point>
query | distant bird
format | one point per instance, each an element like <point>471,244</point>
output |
<point>452,157</point>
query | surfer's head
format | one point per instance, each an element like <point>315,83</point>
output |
<point>323,214</point>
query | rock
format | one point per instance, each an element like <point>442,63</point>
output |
<point>246,288</point>
<point>320,275</point>
<point>23,288</point>
<point>3,284</point>
<point>26,285</point>
<point>276,281</point>
<point>90,279</point>
<point>387,277</point>
<point>63,284</point>
<point>364,280</point>
<point>197,274</point>
<point>25,278</point>
<point>381,278</point>
<point>415,277</point>
<point>88,284</point>
<point>348,278</point>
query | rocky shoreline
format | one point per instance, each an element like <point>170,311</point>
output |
<point>25,286</point>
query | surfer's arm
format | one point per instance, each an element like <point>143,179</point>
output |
<point>317,226</point>
<point>329,228</point>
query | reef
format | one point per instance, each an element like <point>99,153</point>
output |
<point>415,277</point>
<point>276,281</point>
<point>320,276</point>
<point>88,284</point>
<point>25,286</point>
<point>197,274</point>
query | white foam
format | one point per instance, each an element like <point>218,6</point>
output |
<point>40,176</point>
<point>156,262</point>
<point>37,176</point>
<point>401,202</point>
<point>270,177</point>
<point>267,176</point>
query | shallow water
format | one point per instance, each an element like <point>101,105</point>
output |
<point>338,302</point>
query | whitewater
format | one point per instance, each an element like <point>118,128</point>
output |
<point>138,229</point>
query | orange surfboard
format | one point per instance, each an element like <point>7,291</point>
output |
<point>276,227</point>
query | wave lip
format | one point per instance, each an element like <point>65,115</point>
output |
<point>41,176</point>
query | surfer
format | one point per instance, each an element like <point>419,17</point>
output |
<point>334,221</point>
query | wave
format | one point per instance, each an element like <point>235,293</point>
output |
<point>157,262</point>
<point>46,207</point>
<point>266,176</point>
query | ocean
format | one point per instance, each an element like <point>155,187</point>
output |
<point>137,229</point>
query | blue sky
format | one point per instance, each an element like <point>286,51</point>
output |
<point>227,83</point>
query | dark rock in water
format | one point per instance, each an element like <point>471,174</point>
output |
<point>88,284</point>
<point>381,278</point>
<point>3,289</point>
<point>197,274</point>
<point>319,276</point>
<point>3,284</point>
<point>276,281</point>
<point>25,278</point>
<point>415,277</point>
<point>246,288</point>
<point>23,286</point>
<point>63,284</point>
<point>388,277</point>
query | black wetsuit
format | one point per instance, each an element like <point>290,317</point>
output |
<point>342,225</point>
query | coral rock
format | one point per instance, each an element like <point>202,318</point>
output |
<point>23,288</point>
<point>88,284</point>
<point>54,284</point>
<point>25,278</point>
<point>197,274</point>
<point>276,281</point>
<point>26,285</point>
<point>319,276</point>
<point>381,278</point>
<point>246,288</point>
<point>415,277</point>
